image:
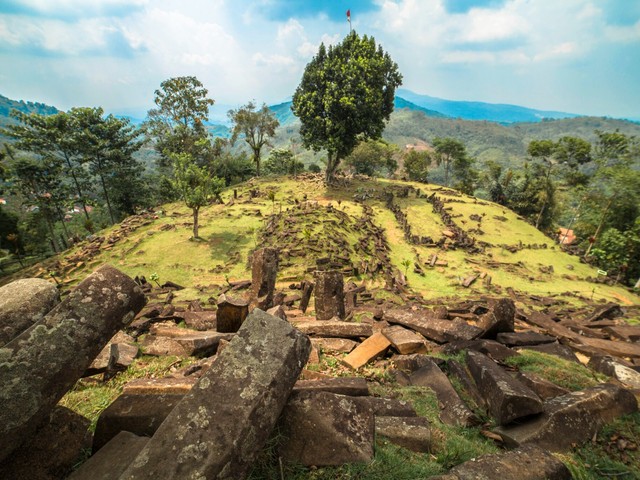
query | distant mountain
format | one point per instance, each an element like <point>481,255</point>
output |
<point>6,105</point>
<point>494,112</point>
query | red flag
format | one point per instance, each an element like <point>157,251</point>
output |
<point>349,15</point>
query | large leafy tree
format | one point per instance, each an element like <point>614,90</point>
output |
<point>373,157</point>
<point>345,95</point>
<point>416,165</point>
<point>256,125</point>
<point>446,152</point>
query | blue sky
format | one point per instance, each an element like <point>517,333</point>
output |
<point>579,56</point>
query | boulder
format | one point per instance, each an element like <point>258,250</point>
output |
<point>440,331</point>
<point>23,303</point>
<point>506,398</point>
<point>264,271</point>
<point>45,361</point>
<point>413,433</point>
<point>543,388</point>
<point>572,418</point>
<point>405,341</point>
<point>499,318</point>
<point>321,429</point>
<point>490,348</point>
<point>201,320</point>
<point>220,427</point>
<point>329,294</point>
<point>232,311</point>
<point>372,347</point>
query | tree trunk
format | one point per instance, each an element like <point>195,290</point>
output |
<point>77,185</point>
<point>106,197</point>
<point>53,235</point>
<point>332,165</point>
<point>195,222</point>
<point>256,159</point>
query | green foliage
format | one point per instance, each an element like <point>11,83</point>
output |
<point>447,151</point>
<point>345,95</point>
<point>314,168</point>
<point>373,157</point>
<point>257,126</point>
<point>620,252</point>
<point>416,165</point>
<point>281,161</point>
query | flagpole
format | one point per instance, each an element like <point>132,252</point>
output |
<point>349,19</point>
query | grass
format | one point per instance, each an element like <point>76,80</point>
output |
<point>570,375</point>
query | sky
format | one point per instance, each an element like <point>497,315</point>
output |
<point>577,56</point>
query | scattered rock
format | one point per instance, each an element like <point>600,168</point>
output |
<point>335,328</point>
<point>329,294</point>
<point>440,331</point>
<point>264,272</point>
<point>405,341</point>
<point>499,318</point>
<point>231,313</point>
<point>522,339</point>
<point>372,347</point>
<point>609,366</point>
<point>351,386</point>
<point>413,433</point>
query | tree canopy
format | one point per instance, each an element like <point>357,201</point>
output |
<point>346,94</point>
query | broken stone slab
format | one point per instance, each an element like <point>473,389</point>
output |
<point>264,271</point>
<point>440,331</point>
<point>388,407</point>
<point>335,328</point>
<point>500,318</point>
<point>184,343</point>
<point>54,449</point>
<point>201,320</point>
<point>555,348</point>
<point>543,388</point>
<point>572,418</point>
<point>220,427</point>
<point>415,361</point>
<point>341,345</point>
<point>405,341</point>
<point>101,362</point>
<point>412,433</point>
<point>141,414</point>
<point>609,366</point>
<point>377,344</point>
<point>627,333</point>
<point>44,362</point>
<point>522,339</point>
<point>278,311</point>
<point>525,463</point>
<point>323,429</point>
<point>23,303</point>
<point>329,294</point>
<point>307,289</point>
<point>458,371</point>
<point>111,460</point>
<point>158,386</point>
<point>453,411</point>
<point>492,349</point>
<point>506,398</point>
<point>351,386</point>
<point>232,311</point>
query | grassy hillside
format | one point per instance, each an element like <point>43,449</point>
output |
<point>364,238</point>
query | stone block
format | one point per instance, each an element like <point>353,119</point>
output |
<point>231,313</point>
<point>438,330</point>
<point>413,433</point>
<point>335,328</point>
<point>351,386</point>
<point>329,294</point>
<point>371,348</point>
<point>405,341</point>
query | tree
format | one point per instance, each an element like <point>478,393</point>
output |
<point>373,157</point>
<point>194,184</point>
<point>257,126</point>
<point>177,124</point>
<point>465,174</point>
<point>543,150</point>
<point>416,165</point>
<point>345,96</point>
<point>281,161</point>
<point>448,150</point>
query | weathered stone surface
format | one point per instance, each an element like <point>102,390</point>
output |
<point>415,361</point>
<point>23,303</point>
<point>201,320</point>
<point>521,339</point>
<point>323,429</point>
<point>499,318</point>
<point>458,371</point>
<point>490,348</point>
<point>231,313</point>
<point>388,407</point>
<point>440,331</point>
<point>609,366</point>
<point>525,463</point>
<point>453,410</point>
<point>140,414</point>
<point>506,398</point>
<point>405,341</point>
<point>307,289</point>
<point>182,342</point>
<point>101,362</point>
<point>628,333</point>
<point>352,386</point>
<point>264,271</point>
<point>543,388</point>
<point>572,418</point>
<point>329,294</point>
<point>556,349</point>
<point>335,328</point>
<point>39,366</point>
<point>278,311</point>
<point>111,460</point>
<point>342,345</point>
<point>219,428</point>
<point>157,386</point>
<point>413,433</point>
<point>372,347</point>
<point>53,451</point>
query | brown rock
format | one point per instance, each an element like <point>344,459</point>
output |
<point>23,303</point>
<point>159,386</point>
<point>278,311</point>
<point>413,433</point>
<point>335,328</point>
<point>372,347</point>
<point>499,318</point>
<point>264,272</point>
<point>628,333</point>
<point>490,348</point>
<point>413,362</point>
<point>609,366</point>
<point>405,341</point>
<point>182,342</point>
<point>388,407</point>
<point>440,331</point>
<point>201,320</point>
<point>323,429</point>
<point>101,362</point>
<point>329,294</point>
<point>231,410</point>
<point>543,388</point>
<point>307,289</point>
<point>556,349</point>
<point>44,362</point>
<point>231,313</point>
<point>351,386</point>
<point>341,345</point>
<point>522,339</point>
<point>572,418</point>
<point>506,398</point>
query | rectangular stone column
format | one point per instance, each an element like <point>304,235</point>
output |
<point>263,276</point>
<point>329,294</point>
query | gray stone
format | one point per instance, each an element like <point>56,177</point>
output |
<point>23,303</point>
<point>525,463</point>
<point>329,294</point>
<point>506,398</point>
<point>182,342</point>
<point>220,427</point>
<point>141,414</point>
<point>278,311</point>
<point>307,289</point>
<point>113,459</point>
<point>352,386</point>
<point>453,410</point>
<point>460,373</point>
<point>321,428</point>
<point>499,318</point>
<point>341,345</point>
<point>440,331</point>
<point>231,313</point>
<point>388,407</point>
<point>335,328</point>
<point>543,388</point>
<point>490,348</point>
<point>405,341</point>
<point>609,366</point>
<point>44,362</point>
<point>264,271</point>
<point>554,348</point>
<point>572,418</point>
<point>413,433</point>
<point>415,361</point>
<point>101,363</point>
<point>522,339</point>
<point>201,320</point>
